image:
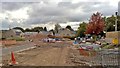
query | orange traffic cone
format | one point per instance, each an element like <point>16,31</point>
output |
<point>13,58</point>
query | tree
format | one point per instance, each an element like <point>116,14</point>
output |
<point>95,25</point>
<point>20,28</point>
<point>110,22</point>
<point>69,27</point>
<point>57,27</point>
<point>45,29</point>
<point>37,29</point>
<point>27,30</point>
<point>118,23</point>
<point>81,29</point>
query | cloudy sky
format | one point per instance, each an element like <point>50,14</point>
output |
<point>32,13</point>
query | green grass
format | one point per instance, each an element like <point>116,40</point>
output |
<point>16,38</point>
<point>109,47</point>
<point>118,47</point>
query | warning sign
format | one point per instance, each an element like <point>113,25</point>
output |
<point>115,41</point>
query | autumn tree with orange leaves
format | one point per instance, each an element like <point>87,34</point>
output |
<point>96,24</point>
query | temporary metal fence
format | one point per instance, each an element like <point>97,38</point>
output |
<point>104,57</point>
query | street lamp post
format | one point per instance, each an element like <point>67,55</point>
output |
<point>116,21</point>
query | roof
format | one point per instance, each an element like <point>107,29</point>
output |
<point>44,32</point>
<point>28,33</point>
<point>16,30</point>
<point>3,30</point>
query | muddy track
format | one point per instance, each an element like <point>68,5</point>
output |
<point>43,56</point>
<point>50,54</point>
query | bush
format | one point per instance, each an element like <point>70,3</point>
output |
<point>109,47</point>
<point>72,38</point>
<point>17,38</point>
<point>11,38</point>
<point>20,39</point>
<point>2,38</point>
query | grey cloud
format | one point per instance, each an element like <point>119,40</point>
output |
<point>5,24</point>
<point>103,7</point>
<point>12,6</point>
<point>119,8</point>
<point>61,12</point>
<point>79,17</point>
<point>77,5</point>
<point>46,19</point>
<point>0,7</point>
<point>68,5</point>
<point>48,10</point>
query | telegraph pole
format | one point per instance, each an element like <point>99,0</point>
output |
<point>116,13</point>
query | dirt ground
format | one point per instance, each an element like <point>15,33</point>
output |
<point>49,57</point>
<point>49,54</point>
<point>45,54</point>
